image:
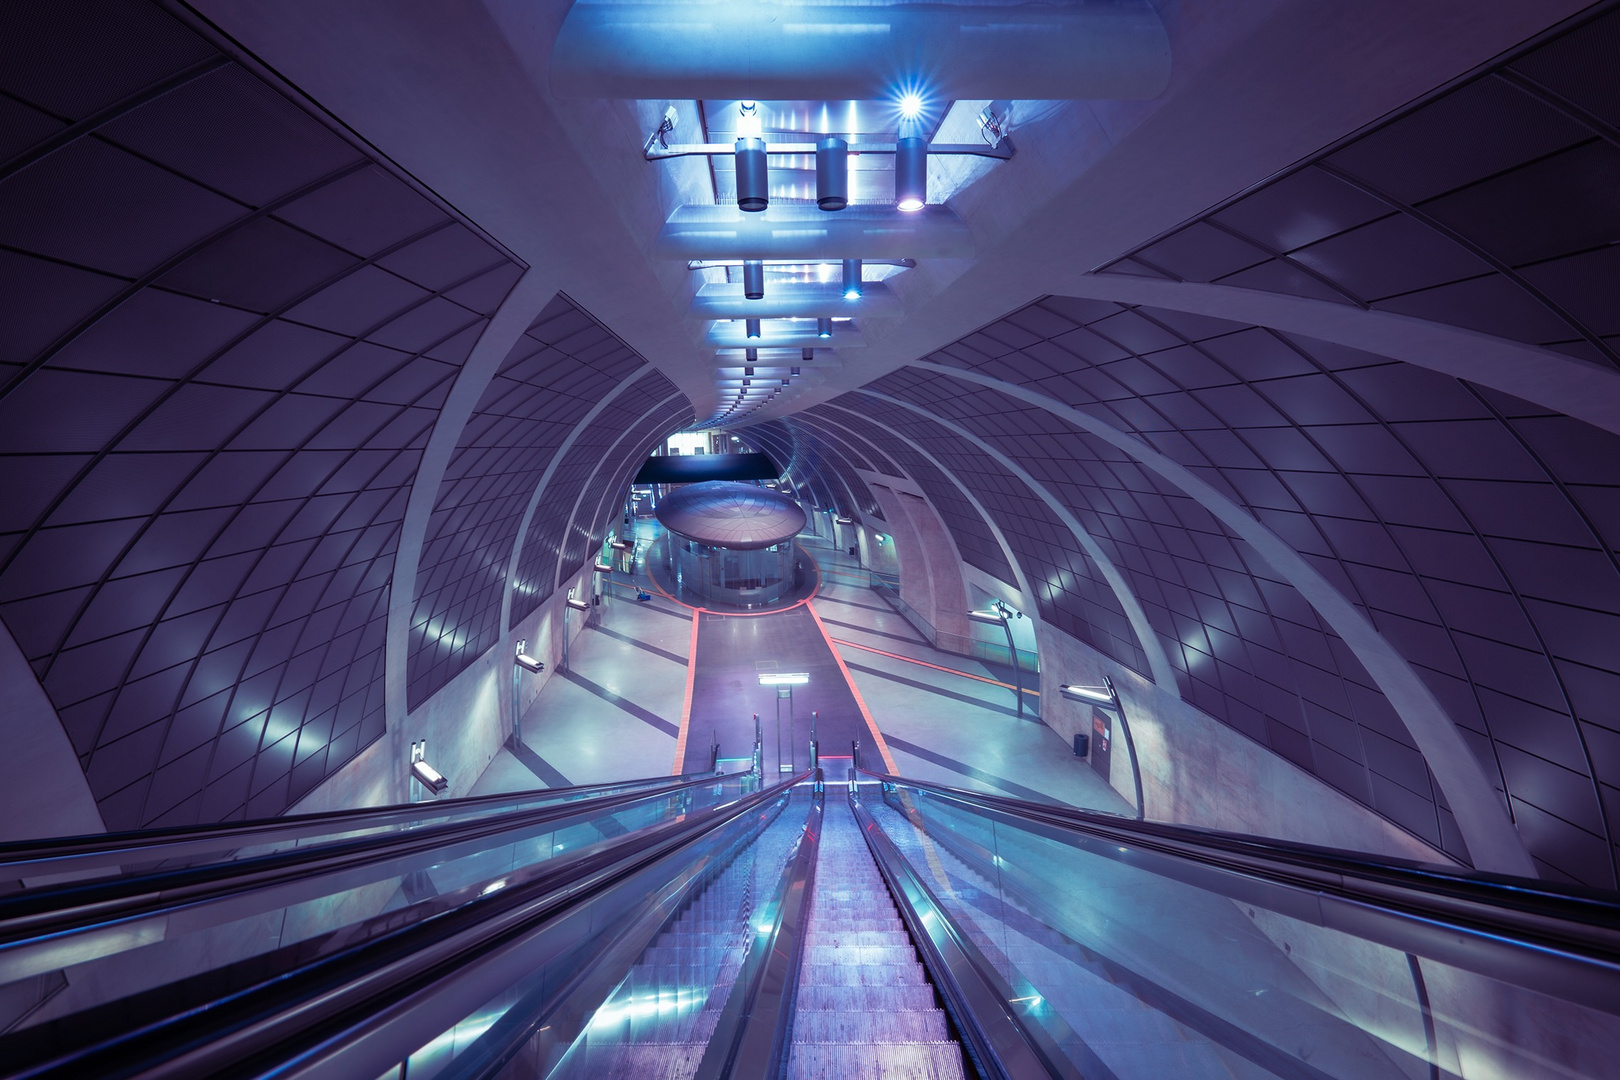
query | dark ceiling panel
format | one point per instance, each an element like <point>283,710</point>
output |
<point>1477,531</point>
<point>214,403</point>
<point>1490,206</point>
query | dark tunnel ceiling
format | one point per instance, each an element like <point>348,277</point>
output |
<point>229,331</point>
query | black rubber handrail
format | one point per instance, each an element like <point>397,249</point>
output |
<point>999,1044</point>
<point>43,928</point>
<point>347,1010</point>
<point>34,858</point>
<point>1561,940</point>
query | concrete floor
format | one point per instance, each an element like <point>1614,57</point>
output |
<point>616,713</point>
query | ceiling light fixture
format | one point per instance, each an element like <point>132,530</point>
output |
<point>911,106</point>
<point>753,177</point>
<point>753,279</point>
<point>751,327</point>
<point>824,328</point>
<point>808,355</point>
<point>910,174</point>
<point>852,279</point>
<point>751,355</point>
<point>832,173</point>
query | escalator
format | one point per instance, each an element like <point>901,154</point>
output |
<point>708,926</point>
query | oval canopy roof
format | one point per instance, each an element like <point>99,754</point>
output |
<point>729,515</point>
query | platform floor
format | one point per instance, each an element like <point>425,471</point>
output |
<point>617,712</point>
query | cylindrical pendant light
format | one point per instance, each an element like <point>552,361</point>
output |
<point>832,173</point>
<point>753,178</point>
<point>754,279</point>
<point>794,370</point>
<point>751,327</point>
<point>807,354</point>
<point>852,279</point>
<point>910,174</point>
<point>824,328</point>
<point>751,355</point>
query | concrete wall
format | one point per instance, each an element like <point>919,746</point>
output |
<point>46,793</point>
<point>464,724</point>
<point>1198,771</point>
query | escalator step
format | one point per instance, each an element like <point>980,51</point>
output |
<point>875,1061</point>
<point>848,1025</point>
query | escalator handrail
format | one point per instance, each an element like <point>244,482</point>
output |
<point>47,919</point>
<point>752,1035</point>
<point>1564,941</point>
<point>35,858</point>
<point>1371,878</point>
<point>359,1008</point>
<point>999,1043</point>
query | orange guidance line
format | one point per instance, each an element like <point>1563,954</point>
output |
<point>860,702</point>
<point>936,667</point>
<point>686,706</point>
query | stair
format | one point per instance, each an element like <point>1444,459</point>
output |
<point>864,1006</point>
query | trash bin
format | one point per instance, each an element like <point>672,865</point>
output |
<point>1082,744</point>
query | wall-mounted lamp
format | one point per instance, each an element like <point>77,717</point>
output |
<point>1106,696</point>
<point>527,662</point>
<point>577,605</point>
<point>1097,695</point>
<point>430,777</point>
<point>425,774</point>
<point>626,545</point>
<point>602,568</point>
<point>844,520</point>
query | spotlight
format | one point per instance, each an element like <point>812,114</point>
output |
<point>832,173</point>
<point>751,355</point>
<point>911,106</point>
<point>852,279</point>
<point>754,279</point>
<point>794,370</point>
<point>824,328</point>
<point>751,327</point>
<point>807,355</point>
<point>784,382</point>
<point>910,174</point>
<point>753,181</point>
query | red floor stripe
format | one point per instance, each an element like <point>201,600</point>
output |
<point>936,667</point>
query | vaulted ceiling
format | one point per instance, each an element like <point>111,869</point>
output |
<point>333,332</point>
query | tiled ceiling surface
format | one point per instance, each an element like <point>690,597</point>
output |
<point>1490,206</point>
<point>560,367</point>
<point>543,561</point>
<point>813,454</point>
<point>591,526</point>
<point>974,540</point>
<point>1070,592</point>
<point>1479,534</point>
<point>227,335</point>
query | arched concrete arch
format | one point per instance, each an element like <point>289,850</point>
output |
<point>556,581</point>
<point>1493,841</point>
<point>1032,610</point>
<point>1164,675</point>
<point>521,307</point>
<point>1578,388</point>
<point>567,444</point>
